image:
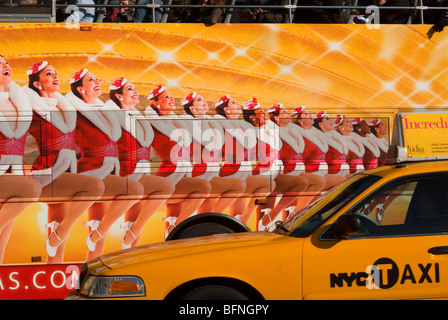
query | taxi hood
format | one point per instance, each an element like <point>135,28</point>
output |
<point>184,247</point>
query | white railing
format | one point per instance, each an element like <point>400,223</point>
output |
<point>14,11</point>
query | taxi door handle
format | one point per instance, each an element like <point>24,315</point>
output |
<point>438,250</point>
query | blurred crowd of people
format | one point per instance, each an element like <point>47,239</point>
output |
<point>210,15</point>
<point>207,13</point>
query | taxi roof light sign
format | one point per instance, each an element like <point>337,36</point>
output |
<point>419,136</point>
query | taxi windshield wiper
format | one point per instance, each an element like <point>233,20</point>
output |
<point>280,228</point>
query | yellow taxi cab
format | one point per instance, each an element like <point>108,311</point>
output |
<point>381,234</point>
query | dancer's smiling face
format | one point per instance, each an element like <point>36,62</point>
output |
<point>5,72</point>
<point>90,88</point>
<point>48,80</point>
<point>165,102</point>
<point>129,97</point>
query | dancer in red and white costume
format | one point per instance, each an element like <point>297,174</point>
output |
<point>336,156</point>
<point>208,142</point>
<point>172,143</point>
<point>68,194</point>
<point>240,141</point>
<point>378,135</point>
<point>315,145</point>
<point>316,148</point>
<point>17,192</point>
<point>291,153</point>
<point>372,151</point>
<point>288,186</point>
<point>237,142</point>
<point>267,162</point>
<point>134,150</point>
<point>97,132</point>
<point>356,149</point>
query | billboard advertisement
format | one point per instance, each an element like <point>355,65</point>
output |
<point>114,133</point>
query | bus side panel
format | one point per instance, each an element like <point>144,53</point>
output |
<point>345,70</point>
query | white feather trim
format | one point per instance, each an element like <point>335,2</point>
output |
<point>103,117</point>
<point>292,137</point>
<point>243,132</point>
<point>110,164</point>
<point>336,141</point>
<point>208,132</point>
<point>134,122</point>
<point>24,113</point>
<point>354,146</point>
<point>169,125</point>
<point>315,136</point>
<point>382,143</point>
<point>15,162</point>
<point>369,144</point>
<point>62,115</point>
<point>270,134</point>
<point>66,161</point>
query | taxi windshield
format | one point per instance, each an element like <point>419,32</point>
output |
<point>303,223</point>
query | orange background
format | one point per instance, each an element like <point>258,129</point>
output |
<point>338,68</point>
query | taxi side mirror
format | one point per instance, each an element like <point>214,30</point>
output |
<point>345,226</point>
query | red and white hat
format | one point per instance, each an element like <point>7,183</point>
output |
<point>275,107</point>
<point>118,83</point>
<point>222,100</point>
<point>374,122</point>
<point>357,121</point>
<point>78,75</point>
<point>320,115</point>
<point>156,91</point>
<point>298,110</point>
<point>339,120</point>
<point>251,104</point>
<point>37,67</point>
<point>188,99</point>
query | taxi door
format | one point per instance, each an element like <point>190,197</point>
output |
<point>400,252</point>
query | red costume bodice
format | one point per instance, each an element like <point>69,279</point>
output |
<point>334,159</point>
<point>130,151</point>
<point>313,156</point>
<point>234,154</point>
<point>93,144</point>
<point>12,146</point>
<point>369,159</point>
<point>50,140</point>
<point>169,153</point>
<point>265,157</point>
<point>289,157</point>
<point>354,161</point>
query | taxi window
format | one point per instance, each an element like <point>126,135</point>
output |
<point>414,206</point>
<point>325,207</point>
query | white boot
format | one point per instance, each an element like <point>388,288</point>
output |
<point>93,224</point>
<point>127,228</point>
<point>261,226</point>
<point>171,223</point>
<point>290,212</point>
<point>51,251</point>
